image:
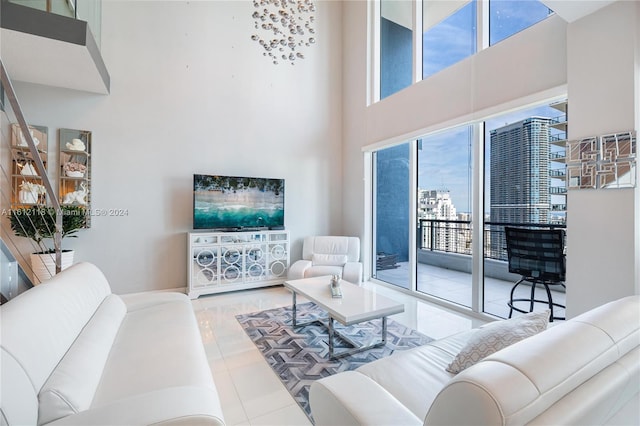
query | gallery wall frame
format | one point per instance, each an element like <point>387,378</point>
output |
<point>603,162</point>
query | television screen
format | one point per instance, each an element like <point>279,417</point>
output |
<point>230,202</point>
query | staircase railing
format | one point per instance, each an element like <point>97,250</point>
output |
<point>37,162</point>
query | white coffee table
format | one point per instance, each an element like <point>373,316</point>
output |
<point>356,305</point>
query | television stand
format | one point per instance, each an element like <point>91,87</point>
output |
<point>227,261</point>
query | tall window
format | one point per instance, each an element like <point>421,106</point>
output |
<point>449,33</point>
<point>396,46</point>
<point>444,215</point>
<point>522,183</point>
<point>525,186</point>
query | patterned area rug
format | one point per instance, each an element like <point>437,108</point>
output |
<point>300,356</point>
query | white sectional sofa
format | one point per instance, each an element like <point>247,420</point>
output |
<point>74,353</point>
<point>581,372</point>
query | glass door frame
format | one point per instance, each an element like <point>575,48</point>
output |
<point>370,216</point>
<point>477,279</point>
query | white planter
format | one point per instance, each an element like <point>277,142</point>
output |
<point>28,197</point>
<point>43,266</point>
<point>75,174</point>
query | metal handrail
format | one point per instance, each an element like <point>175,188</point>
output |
<point>432,237</point>
<point>37,161</point>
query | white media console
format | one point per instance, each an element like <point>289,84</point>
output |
<point>228,261</point>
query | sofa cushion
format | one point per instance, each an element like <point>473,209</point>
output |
<point>73,383</point>
<point>423,367</point>
<point>318,259</point>
<point>497,336</point>
<point>176,357</point>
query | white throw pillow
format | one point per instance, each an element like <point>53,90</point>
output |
<point>497,336</point>
<point>328,259</point>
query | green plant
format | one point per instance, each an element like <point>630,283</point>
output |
<point>39,223</point>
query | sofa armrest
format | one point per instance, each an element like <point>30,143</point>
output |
<point>352,272</point>
<point>185,405</point>
<point>297,270</point>
<point>351,398</point>
<point>144,300</point>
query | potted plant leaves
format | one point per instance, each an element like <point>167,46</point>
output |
<point>38,223</point>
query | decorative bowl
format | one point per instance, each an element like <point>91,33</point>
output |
<point>75,174</point>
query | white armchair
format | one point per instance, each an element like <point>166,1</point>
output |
<point>329,256</point>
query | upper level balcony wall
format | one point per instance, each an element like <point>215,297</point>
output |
<point>89,11</point>
<point>52,49</point>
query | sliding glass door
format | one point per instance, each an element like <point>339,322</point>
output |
<point>440,204</point>
<point>391,215</point>
<point>525,175</point>
<point>444,250</point>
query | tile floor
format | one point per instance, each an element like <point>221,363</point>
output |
<point>250,392</point>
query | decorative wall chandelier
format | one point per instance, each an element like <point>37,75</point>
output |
<point>285,27</point>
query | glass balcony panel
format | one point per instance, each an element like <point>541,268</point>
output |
<point>59,7</point>
<point>89,11</point>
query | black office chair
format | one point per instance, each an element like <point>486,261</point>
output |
<point>537,255</point>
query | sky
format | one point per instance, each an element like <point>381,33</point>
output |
<point>444,161</point>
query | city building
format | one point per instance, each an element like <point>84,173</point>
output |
<point>520,172</point>
<point>435,204</point>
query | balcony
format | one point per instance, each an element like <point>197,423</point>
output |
<point>558,140</point>
<point>444,266</point>
<point>555,190</point>
<point>559,123</point>
<point>45,47</point>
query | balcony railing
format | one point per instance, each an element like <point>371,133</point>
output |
<point>454,236</point>
<point>557,190</point>
<point>559,119</point>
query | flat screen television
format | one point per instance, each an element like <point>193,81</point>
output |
<point>236,203</point>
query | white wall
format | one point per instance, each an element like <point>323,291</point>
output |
<point>602,225</point>
<point>192,93</point>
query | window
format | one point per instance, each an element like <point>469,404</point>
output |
<point>449,34</point>
<point>522,183</point>
<point>524,186</point>
<point>444,247</point>
<point>451,31</point>
<point>507,17</point>
<point>396,46</point>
